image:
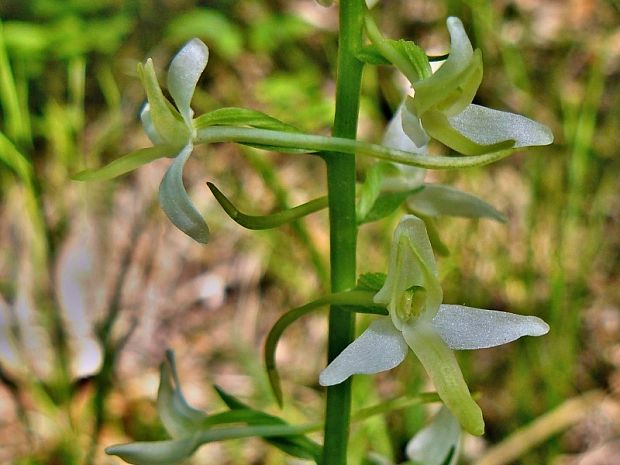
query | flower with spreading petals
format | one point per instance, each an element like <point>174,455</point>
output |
<point>441,107</point>
<point>171,127</point>
<point>418,320</point>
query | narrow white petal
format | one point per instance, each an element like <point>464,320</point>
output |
<point>176,203</point>
<point>381,347</point>
<point>439,200</point>
<point>464,328</point>
<point>435,442</point>
<point>184,72</point>
<point>487,126</point>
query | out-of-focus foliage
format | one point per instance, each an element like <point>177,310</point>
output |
<point>94,285</point>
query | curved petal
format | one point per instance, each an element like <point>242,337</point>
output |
<point>439,200</point>
<point>441,365</point>
<point>155,452</point>
<point>381,347</point>
<point>176,203</point>
<point>148,126</point>
<point>487,126</point>
<point>465,328</point>
<point>183,74</point>
<point>434,443</point>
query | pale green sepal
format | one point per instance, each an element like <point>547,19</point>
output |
<point>176,203</point>
<point>148,126</point>
<point>156,452</point>
<point>439,200</point>
<point>438,443</point>
<point>487,126</point>
<point>126,163</point>
<point>438,126</point>
<point>178,417</point>
<point>412,263</point>
<point>169,126</point>
<point>381,347</point>
<point>183,74</point>
<point>441,365</point>
<point>467,328</point>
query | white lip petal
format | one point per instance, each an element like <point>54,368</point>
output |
<point>183,74</point>
<point>381,347</point>
<point>466,328</point>
<point>487,126</point>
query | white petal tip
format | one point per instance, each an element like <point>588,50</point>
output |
<point>329,379</point>
<point>538,327</point>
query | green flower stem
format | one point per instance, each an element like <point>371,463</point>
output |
<point>343,224</point>
<point>337,146</point>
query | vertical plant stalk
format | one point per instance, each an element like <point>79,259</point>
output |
<point>343,227</point>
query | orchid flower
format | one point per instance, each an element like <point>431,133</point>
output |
<point>418,320</point>
<point>442,108</point>
<point>172,129</point>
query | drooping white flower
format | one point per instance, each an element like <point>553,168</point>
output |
<point>418,320</point>
<point>442,107</point>
<point>172,126</point>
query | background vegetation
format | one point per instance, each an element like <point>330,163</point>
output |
<point>95,284</point>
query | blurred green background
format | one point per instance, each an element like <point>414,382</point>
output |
<point>95,283</point>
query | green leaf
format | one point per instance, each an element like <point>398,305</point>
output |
<point>126,163</point>
<point>371,55</point>
<point>297,446</point>
<point>14,159</point>
<point>413,54</point>
<point>371,188</point>
<point>269,221</point>
<point>386,204</point>
<point>176,203</point>
<point>370,281</point>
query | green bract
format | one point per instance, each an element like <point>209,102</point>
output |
<point>442,108</point>
<point>418,320</point>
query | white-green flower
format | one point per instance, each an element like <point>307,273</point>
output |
<point>171,125</point>
<point>418,320</point>
<point>442,108</point>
